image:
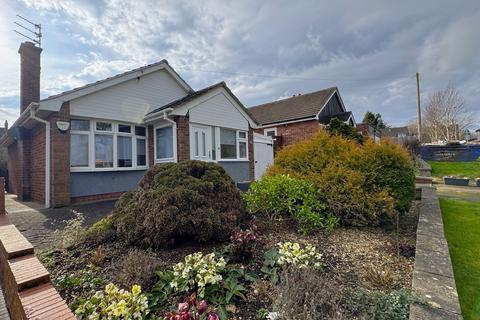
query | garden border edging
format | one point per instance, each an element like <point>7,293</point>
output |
<point>433,280</point>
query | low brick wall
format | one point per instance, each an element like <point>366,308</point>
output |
<point>433,280</point>
<point>25,282</point>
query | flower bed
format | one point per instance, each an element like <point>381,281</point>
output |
<point>361,263</point>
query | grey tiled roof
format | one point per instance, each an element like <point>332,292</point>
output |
<point>296,107</point>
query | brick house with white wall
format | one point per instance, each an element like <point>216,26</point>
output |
<point>296,118</point>
<point>95,142</point>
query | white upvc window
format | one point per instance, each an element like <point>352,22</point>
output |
<point>165,137</point>
<point>270,132</point>
<point>101,145</point>
<point>233,145</point>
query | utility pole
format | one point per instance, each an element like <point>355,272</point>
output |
<point>419,110</point>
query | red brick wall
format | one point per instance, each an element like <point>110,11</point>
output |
<point>183,138</point>
<point>14,174</point>
<point>60,159</point>
<point>37,163</point>
<point>295,132</point>
<point>97,197</point>
<point>29,74</point>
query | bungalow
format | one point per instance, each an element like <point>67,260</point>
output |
<point>296,118</point>
<point>95,142</point>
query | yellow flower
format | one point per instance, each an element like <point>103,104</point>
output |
<point>136,289</point>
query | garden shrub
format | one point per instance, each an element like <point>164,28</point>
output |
<point>180,202</point>
<point>114,303</point>
<point>361,184</point>
<point>137,267</point>
<point>388,166</point>
<point>280,195</point>
<point>303,294</point>
<point>378,305</point>
<point>73,233</point>
<point>243,243</point>
<point>100,232</point>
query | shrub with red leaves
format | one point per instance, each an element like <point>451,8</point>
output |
<point>243,243</point>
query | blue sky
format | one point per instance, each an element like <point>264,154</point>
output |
<point>264,50</point>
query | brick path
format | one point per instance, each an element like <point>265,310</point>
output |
<point>3,308</point>
<point>38,224</point>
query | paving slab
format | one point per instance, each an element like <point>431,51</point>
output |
<point>436,262</point>
<point>39,225</point>
<point>437,291</point>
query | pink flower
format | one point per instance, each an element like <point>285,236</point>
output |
<point>213,316</point>
<point>186,316</point>
<point>202,307</point>
<point>183,307</point>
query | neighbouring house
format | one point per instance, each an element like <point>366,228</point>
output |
<point>299,117</point>
<point>398,134</point>
<point>368,131</point>
<point>95,142</point>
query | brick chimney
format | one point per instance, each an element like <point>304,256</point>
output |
<point>29,74</point>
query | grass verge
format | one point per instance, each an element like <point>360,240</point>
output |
<point>462,228</point>
<point>461,169</point>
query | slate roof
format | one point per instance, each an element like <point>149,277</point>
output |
<point>342,116</point>
<point>293,108</point>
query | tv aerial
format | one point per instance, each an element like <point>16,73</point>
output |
<point>36,31</point>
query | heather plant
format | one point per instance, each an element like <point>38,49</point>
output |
<point>115,303</point>
<point>73,232</point>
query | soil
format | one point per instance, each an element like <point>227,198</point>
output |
<point>356,257</point>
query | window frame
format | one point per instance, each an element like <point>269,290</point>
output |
<point>85,133</point>
<point>238,140</point>
<point>174,137</point>
<point>115,134</point>
<point>274,130</point>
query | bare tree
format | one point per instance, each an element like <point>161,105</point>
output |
<point>446,116</point>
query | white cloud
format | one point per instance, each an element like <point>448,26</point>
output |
<point>371,49</point>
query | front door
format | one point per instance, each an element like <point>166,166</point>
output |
<point>200,143</point>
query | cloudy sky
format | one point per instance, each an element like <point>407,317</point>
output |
<point>264,50</point>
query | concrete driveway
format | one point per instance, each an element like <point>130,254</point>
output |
<point>38,224</point>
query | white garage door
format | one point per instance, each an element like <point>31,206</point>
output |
<point>263,152</point>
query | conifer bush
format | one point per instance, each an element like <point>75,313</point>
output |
<point>180,202</point>
<point>361,184</point>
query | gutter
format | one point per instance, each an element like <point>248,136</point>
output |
<point>47,151</point>
<point>159,115</point>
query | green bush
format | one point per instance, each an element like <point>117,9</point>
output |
<point>360,184</point>
<point>100,232</point>
<point>180,202</point>
<point>279,195</point>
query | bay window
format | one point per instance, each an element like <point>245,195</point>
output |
<point>107,145</point>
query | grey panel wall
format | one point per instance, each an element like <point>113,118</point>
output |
<point>91,183</point>
<point>238,170</point>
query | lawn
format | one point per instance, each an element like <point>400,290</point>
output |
<point>462,229</point>
<point>462,169</point>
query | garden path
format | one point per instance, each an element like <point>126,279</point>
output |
<point>3,308</point>
<point>38,224</point>
<point>458,192</point>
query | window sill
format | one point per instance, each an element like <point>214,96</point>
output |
<point>165,160</point>
<point>233,160</point>
<point>107,169</point>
